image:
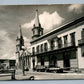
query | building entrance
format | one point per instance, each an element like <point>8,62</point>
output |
<point>66,59</point>
<point>53,61</point>
<point>42,61</point>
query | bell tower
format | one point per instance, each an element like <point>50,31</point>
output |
<point>21,39</point>
<point>19,47</point>
<point>20,42</point>
<point>37,29</point>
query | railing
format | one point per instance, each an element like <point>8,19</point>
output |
<point>81,41</point>
<point>60,46</point>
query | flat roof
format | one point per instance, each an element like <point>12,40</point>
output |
<point>72,23</point>
<point>7,59</point>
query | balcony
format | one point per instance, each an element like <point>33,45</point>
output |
<point>60,46</point>
<point>81,42</point>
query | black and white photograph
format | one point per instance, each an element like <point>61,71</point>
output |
<point>42,42</point>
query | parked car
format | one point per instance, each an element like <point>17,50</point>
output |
<point>26,69</point>
<point>39,68</point>
<point>54,69</point>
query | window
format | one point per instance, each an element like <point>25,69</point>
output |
<point>73,38</point>
<point>59,42</point>
<point>33,50</point>
<point>35,31</point>
<point>41,47</point>
<point>65,41</point>
<point>82,34</point>
<point>38,49</point>
<point>45,46</point>
<point>83,54</point>
<point>52,44</point>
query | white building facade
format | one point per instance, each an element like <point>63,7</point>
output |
<point>63,46</point>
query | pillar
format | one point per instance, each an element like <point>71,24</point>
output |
<point>62,41</point>
<point>55,43</point>
<point>49,43</point>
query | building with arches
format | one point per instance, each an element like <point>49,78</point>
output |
<point>63,46</point>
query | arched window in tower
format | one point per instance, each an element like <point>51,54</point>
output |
<point>36,32</point>
<point>17,49</point>
<point>41,32</point>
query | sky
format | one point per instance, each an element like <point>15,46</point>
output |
<point>50,16</point>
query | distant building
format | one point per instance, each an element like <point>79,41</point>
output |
<point>7,63</point>
<point>23,55</point>
<point>63,46</point>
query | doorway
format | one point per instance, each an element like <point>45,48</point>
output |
<point>53,61</point>
<point>66,59</point>
<point>42,60</point>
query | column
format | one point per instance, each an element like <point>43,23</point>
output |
<point>49,45</point>
<point>55,43</point>
<point>69,40</point>
<point>80,59</point>
<point>35,60</point>
<point>62,41</point>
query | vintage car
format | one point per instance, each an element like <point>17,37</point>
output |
<point>26,69</point>
<point>39,68</point>
<point>54,69</point>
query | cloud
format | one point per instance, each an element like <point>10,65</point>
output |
<point>47,20</point>
<point>77,8</point>
<point>7,46</point>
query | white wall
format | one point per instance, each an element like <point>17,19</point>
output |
<point>77,30</point>
<point>80,57</point>
<point>39,63</point>
<point>60,63</point>
<point>73,63</point>
<point>46,63</point>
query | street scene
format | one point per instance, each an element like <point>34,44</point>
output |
<point>42,42</point>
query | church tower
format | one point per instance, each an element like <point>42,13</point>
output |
<point>20,42</point>
<point>19,47</point>
<point>37,29</point>
<point>21,39</point>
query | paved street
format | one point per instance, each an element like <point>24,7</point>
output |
<point>44,76</point>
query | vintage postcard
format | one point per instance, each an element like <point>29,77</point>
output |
<point>42,42</point>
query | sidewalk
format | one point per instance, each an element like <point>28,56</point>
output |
<point>48,76</point>
<point>19,75</point>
